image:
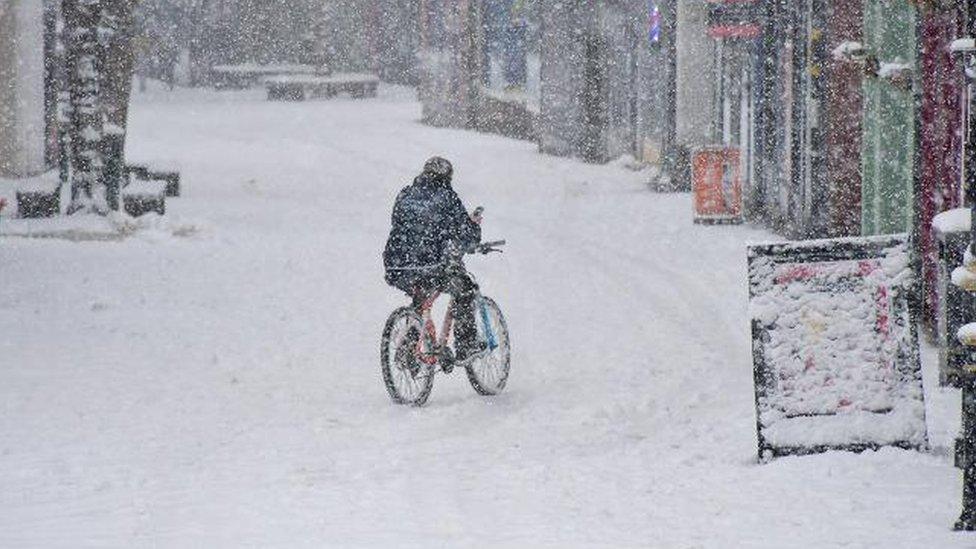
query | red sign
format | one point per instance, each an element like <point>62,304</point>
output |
<point>717,181</point>
<point>746,31</point>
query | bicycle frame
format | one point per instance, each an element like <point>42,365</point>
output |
<point>430,347</point>
<point>434,343</point>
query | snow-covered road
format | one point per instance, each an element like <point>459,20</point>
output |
<point>221,388</point>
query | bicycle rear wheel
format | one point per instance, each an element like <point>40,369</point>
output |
<point>407,379</point>
<point>488,372</point>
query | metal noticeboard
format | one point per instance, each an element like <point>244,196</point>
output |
<point>835,346</point>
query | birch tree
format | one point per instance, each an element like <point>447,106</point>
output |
<point>99,62</point>
<point>116,61</point>
<point>82,20</point>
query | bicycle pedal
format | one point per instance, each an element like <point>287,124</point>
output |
<point>478,350</point>
<point>447,360</point>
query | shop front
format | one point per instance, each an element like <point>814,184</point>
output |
<point>734,30</point>
<point>790,184</point>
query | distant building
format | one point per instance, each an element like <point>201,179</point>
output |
<point>394,40</point>
<point>450,62</point>
<point>592,80</point>
<point>597,64</point>
<point>694,82</point>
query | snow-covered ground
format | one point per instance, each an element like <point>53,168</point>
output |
<point>213,380</point>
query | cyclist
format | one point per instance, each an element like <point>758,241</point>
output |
<point>428,217</point>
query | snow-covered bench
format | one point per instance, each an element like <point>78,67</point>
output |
<point>39,196</point>
<point>247,75</point>
<point>168,172</point>
<point>142,196</point>
<point>299,87</point>
<point>147,184</point>
<point>145,187</point>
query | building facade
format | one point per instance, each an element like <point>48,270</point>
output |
<point>603,79</point>
<point>583,79</point>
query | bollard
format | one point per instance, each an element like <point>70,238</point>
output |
<point>964,459</point>
<point>965,277</point>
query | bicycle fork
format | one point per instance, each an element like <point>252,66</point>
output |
<point>489,333</point>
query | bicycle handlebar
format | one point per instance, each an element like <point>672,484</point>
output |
<point>489,247</point>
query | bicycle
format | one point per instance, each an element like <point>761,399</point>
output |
<point>412,351</point>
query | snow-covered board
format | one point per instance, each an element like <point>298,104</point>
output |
<point>835,347</point>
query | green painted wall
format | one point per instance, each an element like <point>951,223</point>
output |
<point>889,121</point>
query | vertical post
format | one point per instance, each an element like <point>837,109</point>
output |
<point>969,158</point>
<point>964,459</point>
<point>668,12</point>
<point>969,167</point>
<point>472,47</point>
<point>762,195</point>
<point>966,443</point>
<point>634,98</point>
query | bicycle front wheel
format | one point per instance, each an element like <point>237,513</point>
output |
<point>488,372</point>
<point>408,379</point>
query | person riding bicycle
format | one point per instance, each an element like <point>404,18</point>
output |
<point>428,220</point>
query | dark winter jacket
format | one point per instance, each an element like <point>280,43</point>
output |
<point>426,215</point>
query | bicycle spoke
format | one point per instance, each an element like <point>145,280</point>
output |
<point>407,387</point>
<point>407,378</point>
<point>490,373</point>
<point>402,380</point>
<point>487,374</point>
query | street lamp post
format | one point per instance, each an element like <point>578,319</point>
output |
<point>965,277</point>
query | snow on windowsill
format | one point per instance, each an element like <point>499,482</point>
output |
<point>961,45</point>
<point>893,70</point>
<point>953,221</point>
<point>967,334</point>
<point>847,50</point>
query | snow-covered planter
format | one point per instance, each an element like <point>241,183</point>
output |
<point>835,347</point>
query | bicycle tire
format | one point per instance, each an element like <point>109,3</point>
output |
<point>482,380</point>
<point>396,376</point>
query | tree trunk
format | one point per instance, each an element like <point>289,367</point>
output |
<point>82,19</point>
<point>117,60</point>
